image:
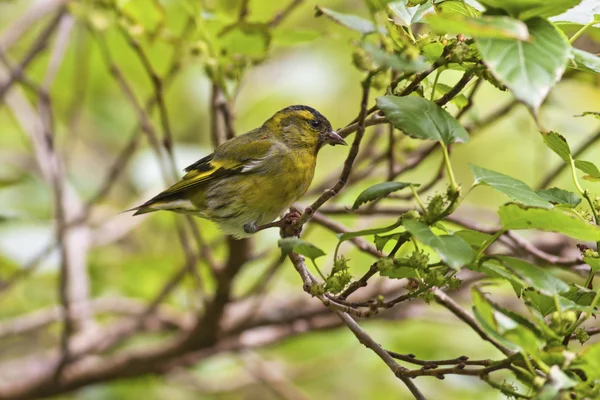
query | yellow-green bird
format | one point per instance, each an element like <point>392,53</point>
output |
<point>253,178</point>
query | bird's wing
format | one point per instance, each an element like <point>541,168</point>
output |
<point>224,162</point>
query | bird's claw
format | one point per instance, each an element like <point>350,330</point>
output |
<point>289,226</point>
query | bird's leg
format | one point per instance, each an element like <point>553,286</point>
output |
<point>251,227</point>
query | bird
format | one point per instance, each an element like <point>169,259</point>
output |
<point>253,178</point>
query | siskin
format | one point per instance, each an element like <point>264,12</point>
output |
<point>253,178</point>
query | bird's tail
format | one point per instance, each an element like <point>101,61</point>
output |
<point>139,210</point>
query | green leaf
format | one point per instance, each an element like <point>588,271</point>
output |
<point>595,114</point>
<point>400,63</point>
<point>479,27</point>
<point>513,188</point>
<point>528,69</point>
<point>300,246</point>
<point>366,232</point>
<point>593,262</point>
<point>494,270</point>
<point>353,22</point>
<point>589,361</point>
<point>453,250</point>
<point>499,325</point>
<point>558,144</point>
<point>381,241</point>
<point>420,118</point>
<point>585,12</point>
<point>398,272</point>
<point>559,196</point>
<point>460,101</point>
<point>546,305</point>
<point>588,168</point>
<point>378,191</point>
<point>406,16</point>
<point>535,277</point>
<point>526,9</point>
<point>456,7</point>
<point>475,239</point>
<point>515,216</point>
<point>585,61</point>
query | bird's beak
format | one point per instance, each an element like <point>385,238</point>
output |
<point>333,138</point>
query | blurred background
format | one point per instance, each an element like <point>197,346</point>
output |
<point>127,260</point>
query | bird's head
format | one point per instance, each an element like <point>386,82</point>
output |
<point>303,126</point>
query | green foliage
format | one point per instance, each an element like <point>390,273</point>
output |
<point>422,119</point>
<point>379,191</point>
<point>513,188</point>
<point>529,69</point>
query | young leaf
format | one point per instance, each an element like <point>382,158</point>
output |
<point>528,69</point>
<point>453,250</point>
<point>379,191</point>
<point>588,168</point>
<point>420,118</point>
<point>558,144</point>
<point>353,22</point>
<point>456,7</point>
<point>513,188</point>
<point>479,27</point>
<point>365,232</point>
<point>526,9</point>
<point>515,216</point>
<point>585,61</point>
<point>559,196</point>
<point>300,246</point>
<point>406,16</point>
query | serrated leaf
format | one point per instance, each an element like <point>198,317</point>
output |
<point>453,250</point>
<point>300,246</point>
<point>584,61</point>
<point>400,63</point>
<point>526,9</point>
<point>558,144</point>
<point>379,191</point>
<point>494,270</point>
<point>513,188</point>
<point>529,69</point>
<point>559,196</point>
<point>405,15</point>
<point>353,22</point>
<point>479,27</point>
<point>421,118</point>
<point>516,216</point>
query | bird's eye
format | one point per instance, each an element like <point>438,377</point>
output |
<point>315,123</point>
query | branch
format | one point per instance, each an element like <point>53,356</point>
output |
<point>444,300</point>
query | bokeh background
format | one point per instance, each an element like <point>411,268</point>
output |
<point>309,62</point>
